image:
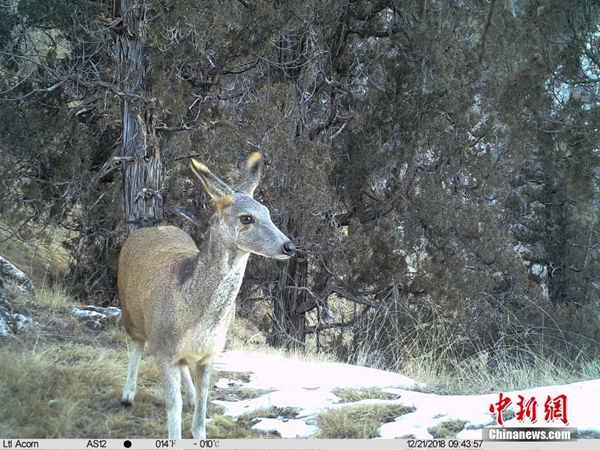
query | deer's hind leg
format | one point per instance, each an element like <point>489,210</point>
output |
<point>171,379</point>
<point>188,384</point>
<point>135,357</point>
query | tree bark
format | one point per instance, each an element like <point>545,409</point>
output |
<point>142,167</point>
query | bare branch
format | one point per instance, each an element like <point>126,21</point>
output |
<point>486,28</point>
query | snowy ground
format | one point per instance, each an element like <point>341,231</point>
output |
<point>307,387</point>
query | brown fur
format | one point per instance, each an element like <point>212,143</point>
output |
<point>180,299</point>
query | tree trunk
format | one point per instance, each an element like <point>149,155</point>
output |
<point>142,169</point>
<point>289,327</point>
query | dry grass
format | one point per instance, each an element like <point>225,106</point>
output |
<point>447,430</point>
<point>244,337</point>
<point>272,412</point>
<point>64,380</point>
<point>73,390</point>
<point>42,261</point>
<point>350,395</point>
<point>223,427</point>
<point>238,394</point>
<point>510,373</point>
<point>357,422</point>
<point>474,376</point>
<point>60,390</point>
<point>510,368</point>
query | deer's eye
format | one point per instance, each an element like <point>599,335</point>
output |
<point>246,219</point>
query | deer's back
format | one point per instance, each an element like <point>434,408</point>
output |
<point>152,263</point>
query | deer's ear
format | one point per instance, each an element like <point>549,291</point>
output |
<point>221,193</point>
<point>251,175</point>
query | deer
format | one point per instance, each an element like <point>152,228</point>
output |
<point>180,298</point>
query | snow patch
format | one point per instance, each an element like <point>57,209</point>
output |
<point>307,387</point>
<point>292,428</point>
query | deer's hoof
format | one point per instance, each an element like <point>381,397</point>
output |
<point>126,405</point>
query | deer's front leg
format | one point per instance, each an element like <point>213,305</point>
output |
<point>202,382</point>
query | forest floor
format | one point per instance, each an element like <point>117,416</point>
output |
<point>63,379</point>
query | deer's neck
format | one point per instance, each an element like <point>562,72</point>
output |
<point>220,257</point>
<point>220,271</point>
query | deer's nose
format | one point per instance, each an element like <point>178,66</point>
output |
<point>289,248</point>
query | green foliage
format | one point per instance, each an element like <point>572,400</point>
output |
<point>439,177</point>
<point>37,11</point>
